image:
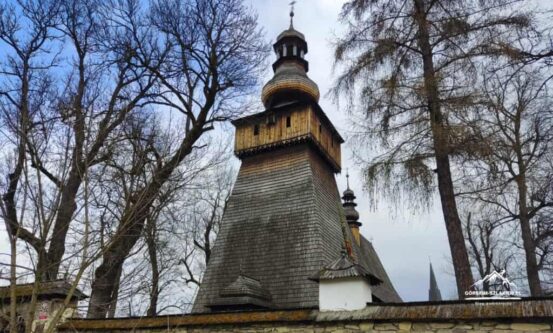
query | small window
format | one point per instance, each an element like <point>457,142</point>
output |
<point>295,50</point>
<point>320,128</point>
<point>288,121</point>
<point>256,129</point>
<point>271,119</point>
<point>332,142</point>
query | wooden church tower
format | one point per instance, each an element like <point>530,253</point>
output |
<point>284,220</point>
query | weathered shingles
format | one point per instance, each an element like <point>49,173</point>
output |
<point>369,258</point>
<point>281,226</point>
<point>272,231</point>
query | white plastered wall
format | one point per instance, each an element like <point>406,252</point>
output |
<point>344,294</point>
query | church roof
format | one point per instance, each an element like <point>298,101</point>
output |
<point>290,70</point>
<point>280,227</point>
<point>290,32</point>
<point>345,267</point>
<point>351,214</point>
<point>290,78</point>
<point>384,291</point>
<point>50,289</point>
<point>246,286</point>
<point>243,292</point>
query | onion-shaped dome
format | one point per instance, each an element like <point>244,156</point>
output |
<point>351,214</point>
<point>291,32</point>
<point>290,82</point>
<point>348,193</point>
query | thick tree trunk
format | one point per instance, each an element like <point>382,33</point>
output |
<point>532,269</point>
<point>105,276</point>
<point>453,224</point>
<point>115,296</point>
<point>454,229</point>
<point>64,216</point>
<point>13,284</point>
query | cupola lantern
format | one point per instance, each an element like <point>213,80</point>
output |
<point>351,214</point>
<point>290,80</point>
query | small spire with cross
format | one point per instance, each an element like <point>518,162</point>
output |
<point>292,3</point>
<point>347,177</point>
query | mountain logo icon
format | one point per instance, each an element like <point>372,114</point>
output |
<point>496,278</point>
<point>497,285</point>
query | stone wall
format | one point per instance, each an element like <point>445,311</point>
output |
<point>44,312</point>
<point>388,327</point>
<point>443,317</point>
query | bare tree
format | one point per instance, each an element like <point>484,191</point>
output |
<point>214,50</point>
<point>490,242</point>
<point>206,216</point>
<point>517,123</point>
<point>413,64</point>
<point>150,274</point>
<point>62,125</point>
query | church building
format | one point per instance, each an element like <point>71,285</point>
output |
<point>290,257</point>
<point>287,241</point>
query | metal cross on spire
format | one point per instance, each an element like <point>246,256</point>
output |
<point>292,3</point>
<point>347,177</point>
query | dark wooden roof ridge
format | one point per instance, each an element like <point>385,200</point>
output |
<point>283,107</point>
<point>288,142</point>
<point>526,308</point>
<point>245,286</point>
<point>345,267</point>
<point>59,287</point>
<point>217,318</point>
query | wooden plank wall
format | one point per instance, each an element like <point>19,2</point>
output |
<point>323,135</point>
<point>303,121</point>
<point>246,139</point>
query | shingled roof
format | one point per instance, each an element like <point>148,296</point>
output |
<point>366,256</point>
<point>244,292</point>
<point>281,226</point>
<point>434,293</point>
<point>385,291</point>
<point>345,267</point>
<point>44,290</point>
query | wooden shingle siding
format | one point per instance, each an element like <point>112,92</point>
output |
<point>281,225</point>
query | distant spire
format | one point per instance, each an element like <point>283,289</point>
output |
<point>292,3</point>
<point>352,216</point>
<point>434,293</point>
